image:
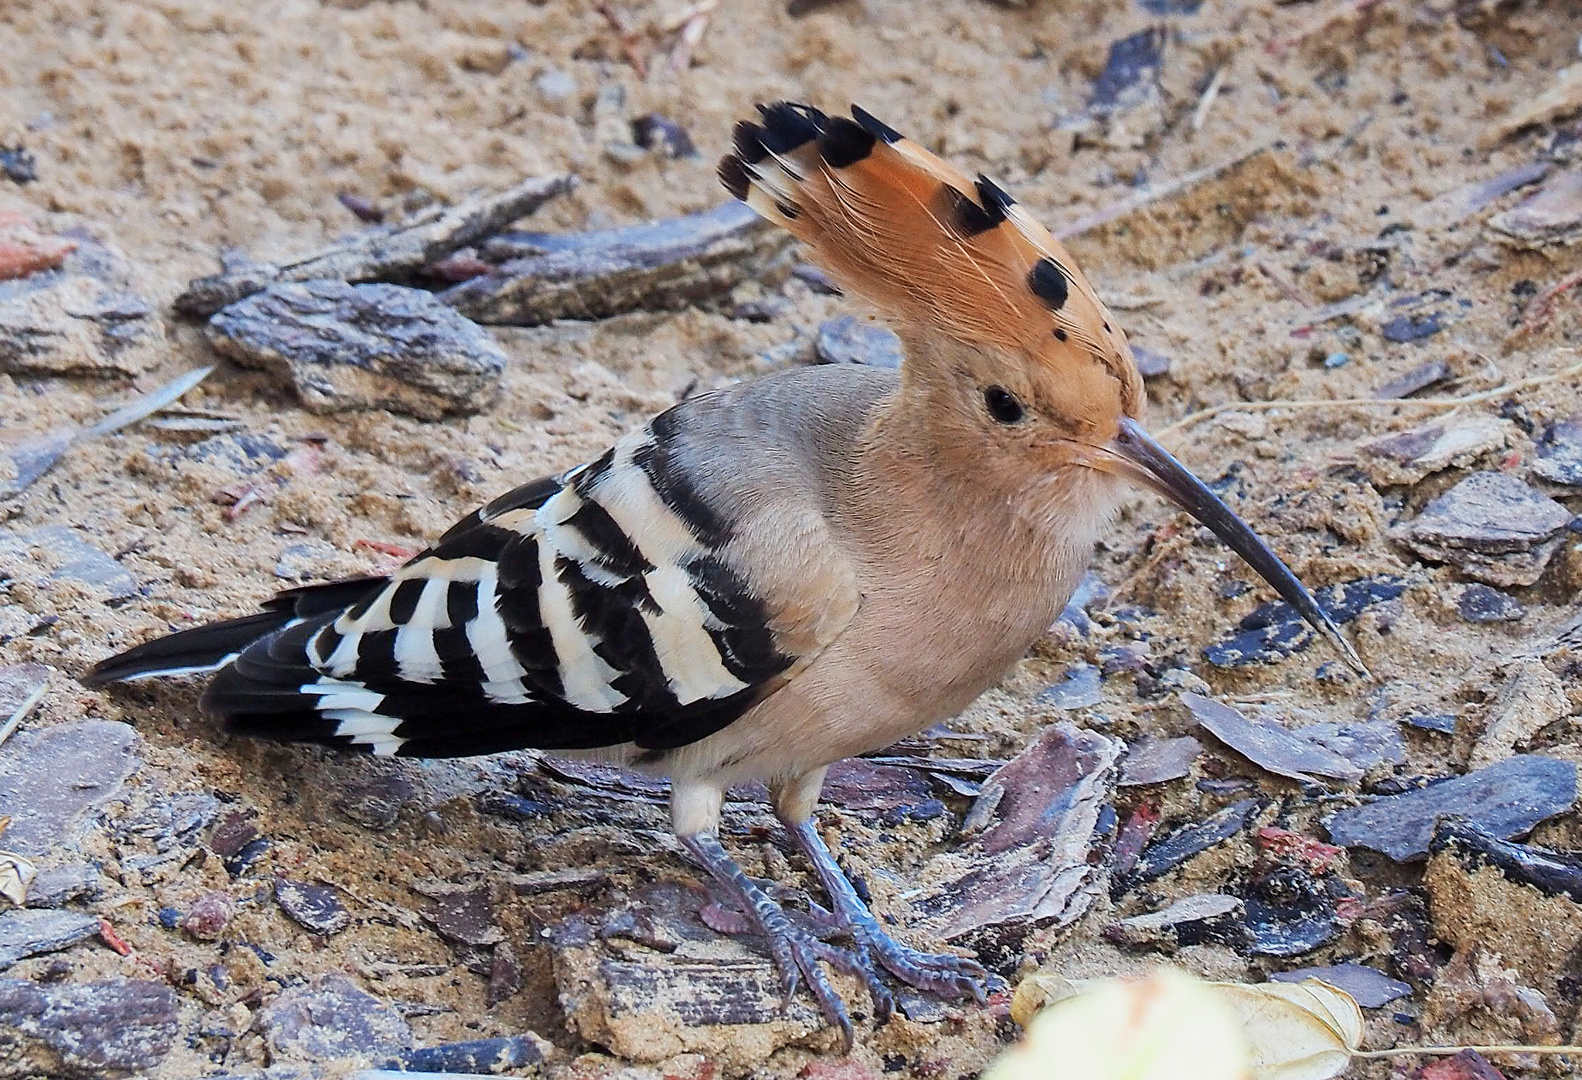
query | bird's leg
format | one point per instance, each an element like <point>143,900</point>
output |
<point>695,810</point>
<point>938,973</point>
<point>796,952</point>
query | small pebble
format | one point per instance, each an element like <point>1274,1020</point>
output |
<point>314,907</point>
<point>30,931</point>
<point>552,84</point>
<point>653,130</point>
<point>1078,689</point>
<point>18,164</point>
<point>1482,604</point>
<point>849,340</point>
<point>209,915</point>
<point>1560,454</point>
<point>815,278</point>
<point>1131,70</point>
<point>1150,364</point>
<point>1445,723</point>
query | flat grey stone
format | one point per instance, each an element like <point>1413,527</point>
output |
<point>331,1018</point>
<point>85,1029</point>
<point>56,885</point>
<point>1560,454</point>
<point>1371,988</point>
<point>1078,689</point>
<point>50,778</point>
<point>1483,604</point>
<point>1506,799</point>
<point>1497,529</point>
<point>1154,761</point>
<point>18,684</point>
<point>30,931</point>
<point>847,339</point>
<point>69,558</point>
<point>1364,744</point>
<point>83,319</point>
<point>371,346</point>
<point>315,907</point>
<point>1270,746</point>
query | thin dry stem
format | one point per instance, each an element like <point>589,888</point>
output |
<point>1574,371</point>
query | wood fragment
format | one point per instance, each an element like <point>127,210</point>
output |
<point>1156,193</point>
<point>1210,95</point>
<point>694,21</point>
<point>391,251</point>
<point>626,38</point>
<point>1572,372</point>
<point>662,266</point>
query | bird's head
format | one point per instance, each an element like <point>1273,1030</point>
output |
<point>1010,352</point>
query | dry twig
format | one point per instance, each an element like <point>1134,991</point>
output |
<point>1572,372</point>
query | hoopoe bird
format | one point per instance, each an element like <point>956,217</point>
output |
<point>774,575</point>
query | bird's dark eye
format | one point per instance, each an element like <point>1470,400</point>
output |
<point>1003,405</point>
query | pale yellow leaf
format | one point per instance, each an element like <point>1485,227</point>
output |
<point>1298,1031</point>
<point>1169,1026</point>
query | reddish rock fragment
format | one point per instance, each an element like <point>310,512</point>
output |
<point>24,250</point>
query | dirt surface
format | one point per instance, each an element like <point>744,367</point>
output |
<point>176,133</point>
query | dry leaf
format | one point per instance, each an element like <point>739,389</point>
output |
<point>1298,1031</point>
<point>1169,1026</point>
<point>16,874</point>
<point>1287,1031</point>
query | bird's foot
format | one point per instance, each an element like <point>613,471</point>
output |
<point>942,974</point>
<point>798,955</point>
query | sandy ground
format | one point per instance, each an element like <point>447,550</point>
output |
<point>179,131</point>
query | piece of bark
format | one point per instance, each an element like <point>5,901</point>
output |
<point>1030,865</point>
<point>662,266</point>
<point>390,252</point>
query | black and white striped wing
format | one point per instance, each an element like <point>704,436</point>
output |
<point>595,609</point>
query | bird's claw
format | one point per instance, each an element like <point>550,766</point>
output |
<point>943,974</point>
<point>799,955</point>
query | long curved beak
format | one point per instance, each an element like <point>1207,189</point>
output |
<point>1134,453</point>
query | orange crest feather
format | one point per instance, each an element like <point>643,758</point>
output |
<point>919,240</point>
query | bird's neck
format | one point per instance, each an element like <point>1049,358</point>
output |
<point>972,510</point>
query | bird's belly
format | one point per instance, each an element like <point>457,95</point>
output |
<point>886,678</point>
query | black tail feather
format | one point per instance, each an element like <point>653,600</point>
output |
<point>204,648</point>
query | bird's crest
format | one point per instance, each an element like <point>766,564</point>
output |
<point>919,240</point>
